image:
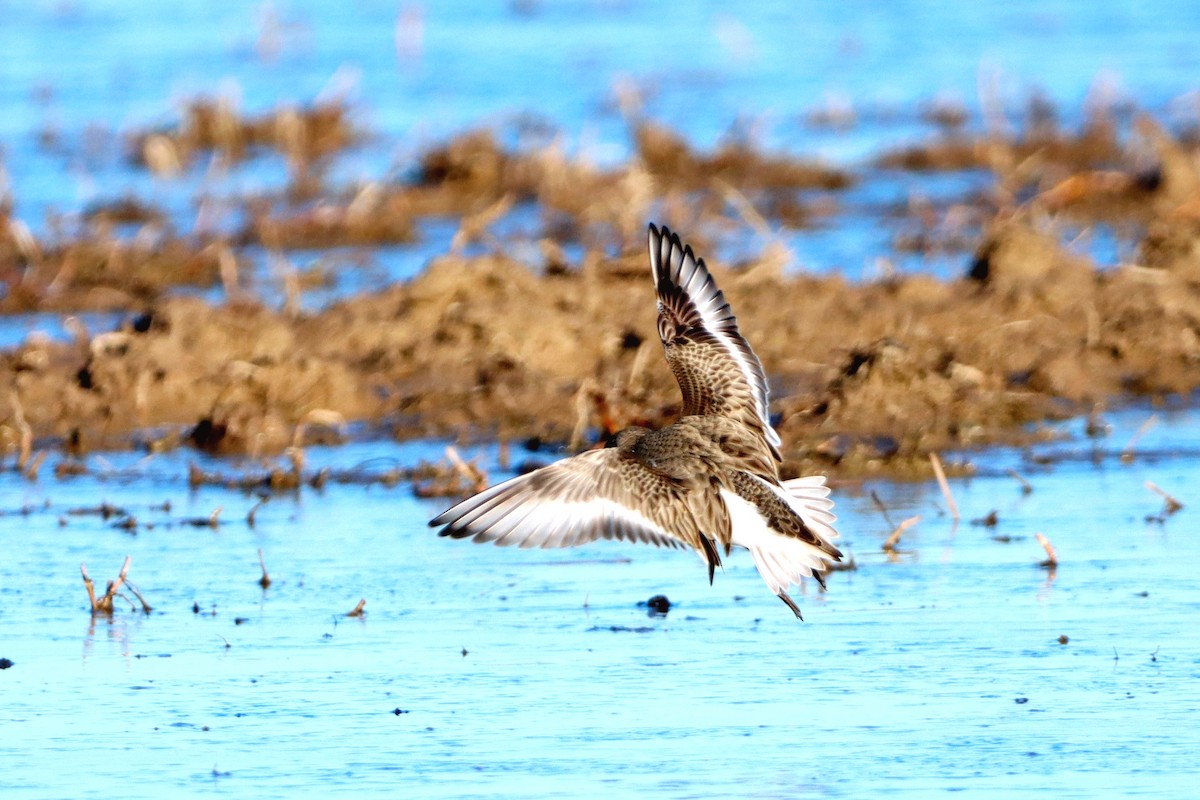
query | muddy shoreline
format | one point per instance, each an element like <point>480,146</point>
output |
<point>866,377</point>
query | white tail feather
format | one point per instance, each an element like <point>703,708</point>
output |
<point>782,560</point>
<point>809,497</point>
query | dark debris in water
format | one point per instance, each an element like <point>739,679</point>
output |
<point>657,606</point>
<point>990,520</point>
<point>5,663</point>
<point>623,628</point>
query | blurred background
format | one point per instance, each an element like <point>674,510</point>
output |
<point>82,83</point>
<point>264,266</point>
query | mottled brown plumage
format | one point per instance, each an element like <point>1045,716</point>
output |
<point>717,371</point>
<point>709,481</point>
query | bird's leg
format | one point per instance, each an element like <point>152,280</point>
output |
<point>788,601</point>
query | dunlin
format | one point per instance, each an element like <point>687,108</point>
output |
<point>709,481</point>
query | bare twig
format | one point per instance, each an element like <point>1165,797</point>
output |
<point>744,208</point>
<point>228,268</point>
<point>1026,486</point>
<point>1170,504</point>
<point>318,418</point>
<point>23,428</point>
<point>473,474</point>
<point>250,515</point>
<point>146,608</point>
<point>90,586</point>
<point>31,472</point>
<point>358,609</point>
<point>941,479</point>
<point>584,403</point>
<point>1051,556</point>
<point>890,545</point>
<point>104,605</point>
<point>265,580</point>
<point>882,509</point>
<point>1127,453</point>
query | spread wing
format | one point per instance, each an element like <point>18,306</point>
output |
<point>600,494</point>
<point>717,371</point>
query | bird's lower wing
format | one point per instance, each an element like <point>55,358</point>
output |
<point>600,494</point>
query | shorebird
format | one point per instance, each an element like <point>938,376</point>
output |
<point>709,481</point>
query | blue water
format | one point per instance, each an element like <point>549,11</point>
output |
<point>935,670</point>
<point>530,673</point>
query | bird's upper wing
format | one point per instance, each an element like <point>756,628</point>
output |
<point>600,494</point>
<point>717,371</point>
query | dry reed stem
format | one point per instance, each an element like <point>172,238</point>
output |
<point>882,509</point>
<point>253,512</point>
<point>31,473</point>
<point>941,479</point>
<point>1051,556</point>
<point>104,605</point>
<point>265,580</point>
<point>1127,453</point>
<point>90,586</point>
<point>320,418</point>
<point>1170,504</point>
<point>146,608</point>
<point>1026,486</point>
<point>583,413</point>
<point>475,226</point>
<point>358,609</point>
<point>744,208</point>
<point>23,428</point>
<point>473,474</point>
<point>890,545</point>
<point>228,269</point>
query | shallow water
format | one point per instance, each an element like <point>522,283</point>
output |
<point>937,671</point>
<point>531,673</point>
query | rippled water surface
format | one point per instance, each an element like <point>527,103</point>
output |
<point>480,671</point>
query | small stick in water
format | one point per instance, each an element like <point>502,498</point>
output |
<point>474,475</point>
<point>1127,453</point>
<point>882,509</point>
<point>358,609</point>
<point>1170,504</point>
<point>1026,486</point>
<point>941,479</point>
<point>1051,556</point>
<point>146,609</point>
<point>890,545</point>
<point>104,605</point>
<point>265,580</point>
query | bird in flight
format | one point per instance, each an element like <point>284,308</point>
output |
<point>709,481</point>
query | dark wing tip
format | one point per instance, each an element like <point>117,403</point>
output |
<point>669,254</point>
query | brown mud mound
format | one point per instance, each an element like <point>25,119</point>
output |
<point>863,375</point>
<point>303,135</point>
